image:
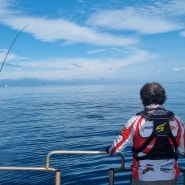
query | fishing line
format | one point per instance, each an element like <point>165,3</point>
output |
<point>11,46</point>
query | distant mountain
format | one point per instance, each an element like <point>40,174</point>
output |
<point>26,82</point>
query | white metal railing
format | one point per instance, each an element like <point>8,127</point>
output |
<point>47,164</point>
<point>62,152</point>
<point>14,168</point>
<point>57,172</point>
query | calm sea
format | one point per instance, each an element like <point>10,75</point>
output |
<point>37,120</point>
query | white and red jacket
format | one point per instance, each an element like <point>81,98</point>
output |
<point>134,133</point>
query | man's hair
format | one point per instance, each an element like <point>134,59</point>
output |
<point>152,93</point>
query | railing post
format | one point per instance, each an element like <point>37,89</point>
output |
<point>183,176</point>
<point>57,177</point>
<point>182,170</point>
<point>111,177</point>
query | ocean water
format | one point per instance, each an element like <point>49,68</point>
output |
<point>37,120</point>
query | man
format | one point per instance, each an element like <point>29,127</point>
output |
<point>157,135</point>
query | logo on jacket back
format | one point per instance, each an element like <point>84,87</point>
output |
<point>160,128</point>
<point>147,127</point>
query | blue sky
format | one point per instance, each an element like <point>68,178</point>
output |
<point>93,39</point>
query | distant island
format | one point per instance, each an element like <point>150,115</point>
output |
<point>28,82</point>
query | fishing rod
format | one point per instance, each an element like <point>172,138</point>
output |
<point>11,46</point>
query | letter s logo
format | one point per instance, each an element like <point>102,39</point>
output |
<point>160,128</point>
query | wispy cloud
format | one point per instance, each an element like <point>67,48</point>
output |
<point>60,29</point>
<point>11,56</point>
<point>155,72</point>
<point>182,33</point>
<point>96,51</point>
<point>177,69</point>
<point>147,19</point>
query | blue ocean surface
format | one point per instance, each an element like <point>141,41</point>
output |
<point>37,120</point>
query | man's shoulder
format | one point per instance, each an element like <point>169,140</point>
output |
<point>133,120</point>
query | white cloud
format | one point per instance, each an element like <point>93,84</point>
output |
<point>153,19</point>
<point>156,72</point>
<point>96,51</point>
<point>177,69</point>
<point>11,56</point>
<point>182,33</point>
<point>10,59</point>
<point>50,30</point>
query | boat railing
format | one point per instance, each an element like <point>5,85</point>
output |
<point>57,172</point>
<point>47,163</point>
<point>15,168</point>
<point>64,152</point>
